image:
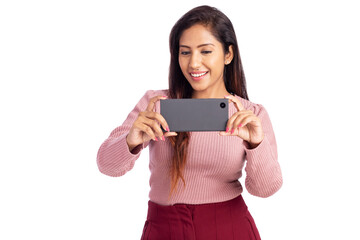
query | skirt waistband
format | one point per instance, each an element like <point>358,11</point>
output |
<point>156,210</point>
<point>228,220</point>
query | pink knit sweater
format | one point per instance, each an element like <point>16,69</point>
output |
<point>214,162</point>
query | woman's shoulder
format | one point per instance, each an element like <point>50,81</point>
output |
<point>152,93</point>
<point>249,105</point>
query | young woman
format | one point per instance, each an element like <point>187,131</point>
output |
<point>195,192</point>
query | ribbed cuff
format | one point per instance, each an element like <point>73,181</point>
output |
<point>260,149</point>
<point>115,159</point>
<point>136,150</point>
<point>263,172</point>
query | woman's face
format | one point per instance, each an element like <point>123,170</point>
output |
<point>202,60</point>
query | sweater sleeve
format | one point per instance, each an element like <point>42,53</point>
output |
<point>114,157</point>
<point>263,173</point>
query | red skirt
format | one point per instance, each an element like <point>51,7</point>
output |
<point>229,220</point>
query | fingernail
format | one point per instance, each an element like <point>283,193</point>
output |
<point>156,139</point>
<point>167,129</point>
<point>227,129</point>
<point>240,125</point>
<point>163,138</point>
<point>165,96</point>
<point>232,131</point>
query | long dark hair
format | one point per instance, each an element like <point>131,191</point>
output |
<point>223,30</point>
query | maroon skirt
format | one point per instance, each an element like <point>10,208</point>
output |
<point>229,220</point>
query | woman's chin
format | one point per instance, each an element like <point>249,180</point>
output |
<point>198,86</point>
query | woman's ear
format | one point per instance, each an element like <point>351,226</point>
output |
<point>229,55</point>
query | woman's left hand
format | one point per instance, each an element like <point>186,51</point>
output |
<point>244,124</point>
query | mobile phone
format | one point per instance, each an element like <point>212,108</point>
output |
<point>189,114</point>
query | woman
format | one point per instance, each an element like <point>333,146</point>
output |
<point>207,202</point>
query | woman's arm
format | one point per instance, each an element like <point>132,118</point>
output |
<point>115,157</point>
<point>263,173</point>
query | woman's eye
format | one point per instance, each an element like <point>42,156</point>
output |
<point>184,53</point>
<point>206,52</point>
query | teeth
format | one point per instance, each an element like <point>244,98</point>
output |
<point>198,75</point>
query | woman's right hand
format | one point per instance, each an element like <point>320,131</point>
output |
<point>147,126</point>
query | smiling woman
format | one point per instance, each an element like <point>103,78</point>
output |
<point>202,60</point>
<point>207,204</point>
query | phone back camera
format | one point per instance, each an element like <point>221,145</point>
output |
<point>222,105</point>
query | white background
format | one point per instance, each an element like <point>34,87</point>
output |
<point>71,71</point>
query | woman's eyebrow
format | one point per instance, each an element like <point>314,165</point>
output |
<point>201,45</point>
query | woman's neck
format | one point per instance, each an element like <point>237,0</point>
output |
<point>209,94</point>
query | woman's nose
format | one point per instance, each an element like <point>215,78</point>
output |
<point>195,61</point>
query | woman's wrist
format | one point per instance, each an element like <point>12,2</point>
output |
<point>253,145</point>
<point>131,146</point>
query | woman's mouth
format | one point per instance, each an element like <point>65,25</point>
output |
<point>196,76</point>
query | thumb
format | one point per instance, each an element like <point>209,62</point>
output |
<point>169,134</point>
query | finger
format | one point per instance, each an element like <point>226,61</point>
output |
<point>237,120</point>
<point>240,120</point>
<point>248,119</point>
<point>231,132</point>
<point>148,130</point>
<point>152,102</point>
<point>230,122</point>
<point>170,134</point>
<point>223,133</point>
<point>159,118</point>
<point>236,102</point>
<point>154,125</point>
